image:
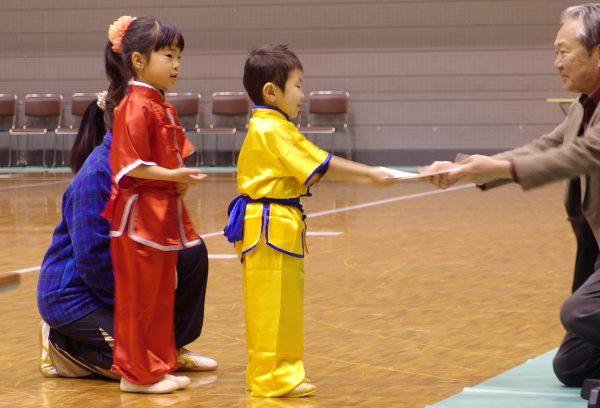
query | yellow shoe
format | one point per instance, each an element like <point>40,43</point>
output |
<point>303,389</point>
<point>46,367</point>
<point>306,380</point>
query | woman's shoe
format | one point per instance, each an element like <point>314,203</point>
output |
<point>189,361</point>
<point>47,368</point>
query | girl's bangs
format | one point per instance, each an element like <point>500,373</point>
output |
<point>168,36</point>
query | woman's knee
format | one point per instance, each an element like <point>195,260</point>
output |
<point>570,313</point>
<point>568,369</point>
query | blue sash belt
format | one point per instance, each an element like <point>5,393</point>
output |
<point>234,230</point>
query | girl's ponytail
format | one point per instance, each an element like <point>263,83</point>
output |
<point>117,65</point>
<point>118,76</point>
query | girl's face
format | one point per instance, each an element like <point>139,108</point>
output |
<point>160,69</point>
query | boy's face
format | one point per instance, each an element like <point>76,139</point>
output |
<point>290,99</point>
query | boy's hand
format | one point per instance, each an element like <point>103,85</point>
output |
<point>188,176</point>
<point>378,177</point>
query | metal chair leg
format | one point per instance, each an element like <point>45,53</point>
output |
<point>214,162</point>
<point>233,149</point>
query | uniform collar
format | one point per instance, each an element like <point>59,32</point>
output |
<point>147,90</point>
<point>273,108</point>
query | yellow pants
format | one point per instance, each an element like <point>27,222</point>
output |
<point>274,298</point>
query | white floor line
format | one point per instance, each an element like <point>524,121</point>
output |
<point>32,185</point>
<point>222,256</point>
<point>323,233</point>
<point>211,234</point>
<point>469,390</point>
<point>314,215</point>
<point>33,269</point>
<point>366,205</point>
<point>386,201</point>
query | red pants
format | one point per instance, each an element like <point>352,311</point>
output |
<point>144,333</point>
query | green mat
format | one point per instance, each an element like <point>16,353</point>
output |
<point>530,385</point>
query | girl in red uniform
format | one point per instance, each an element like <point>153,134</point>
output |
<point>149,222</point>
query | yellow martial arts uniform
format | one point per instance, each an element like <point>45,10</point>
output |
<point>276,164</point>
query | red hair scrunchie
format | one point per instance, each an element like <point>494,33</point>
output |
<point>117,31</point>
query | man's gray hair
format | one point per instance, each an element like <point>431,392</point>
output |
<point>589,16</point>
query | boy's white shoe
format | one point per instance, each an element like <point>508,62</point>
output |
<point>189,361</point>
<point>47,368</point>
<point>163,386</point>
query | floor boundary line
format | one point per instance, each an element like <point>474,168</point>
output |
<point>475,390</point>
<point>322,213</point>
<point>31,185</point>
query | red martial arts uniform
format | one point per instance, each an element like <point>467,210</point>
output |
<point>149,224</point>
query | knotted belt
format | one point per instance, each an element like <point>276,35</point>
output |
<point>234,230</point>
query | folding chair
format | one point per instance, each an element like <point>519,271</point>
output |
<point>328,112</point>
<point>8,117</point>
<point>79,103</point>
<point>229,112</point>
<point>41,112</point>
<point>187,105</point>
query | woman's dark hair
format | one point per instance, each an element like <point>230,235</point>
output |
<point>144,35</point>
<point>269,63</point>
<point>90,134</point>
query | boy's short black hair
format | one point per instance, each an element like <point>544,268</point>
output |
<point>269,63</point>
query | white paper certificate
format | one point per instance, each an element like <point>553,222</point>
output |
<point>405,175</point>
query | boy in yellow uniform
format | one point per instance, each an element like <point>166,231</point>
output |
<point>276,167</point>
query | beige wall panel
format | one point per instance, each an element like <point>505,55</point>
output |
<point>300,15</point>
<point>493,112</point>
<point>442,73</point>
<point>445,137</point>
<point>55,43</point>
<point>379,68</point>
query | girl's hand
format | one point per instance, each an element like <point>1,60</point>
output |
<point>188,176</point>
<point>182,188</point>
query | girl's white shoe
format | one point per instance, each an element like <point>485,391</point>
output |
<point>163,386</point>
<point>181,380</point>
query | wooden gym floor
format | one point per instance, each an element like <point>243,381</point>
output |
<point>411,294</point>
